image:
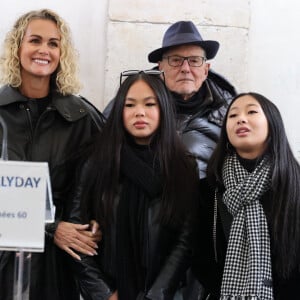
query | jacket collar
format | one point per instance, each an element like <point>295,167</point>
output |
<point>10,95</point>
<point>70,107</point>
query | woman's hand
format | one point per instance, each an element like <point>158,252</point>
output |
<point>81,238</point>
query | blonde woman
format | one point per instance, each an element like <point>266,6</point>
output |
<point>47,122</point>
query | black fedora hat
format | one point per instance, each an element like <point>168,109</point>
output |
<point>182,33</point>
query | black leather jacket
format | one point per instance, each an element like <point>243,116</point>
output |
<point>54,136</point>
<point>165,268</point>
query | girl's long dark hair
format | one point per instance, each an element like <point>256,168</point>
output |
<point>285,185</point>
<point>178,170</point>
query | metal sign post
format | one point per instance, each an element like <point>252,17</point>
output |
<point>22,275</point>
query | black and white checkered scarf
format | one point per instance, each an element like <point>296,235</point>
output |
<point>248,271</point>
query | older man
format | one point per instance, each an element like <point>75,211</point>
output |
<point>201,95</point>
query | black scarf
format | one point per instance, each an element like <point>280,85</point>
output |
<point>193,105</point>
<point>141,183</point>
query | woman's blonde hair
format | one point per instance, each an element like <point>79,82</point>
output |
<point>65,77</point>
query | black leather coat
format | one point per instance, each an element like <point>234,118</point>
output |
<point>168,254</point>
<point>54,136</point>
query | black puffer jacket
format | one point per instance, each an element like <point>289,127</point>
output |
<point>54,136</point>
<point>200,130</point>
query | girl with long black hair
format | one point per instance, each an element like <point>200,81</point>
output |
<point>253,205</point>
<point>141,185</point>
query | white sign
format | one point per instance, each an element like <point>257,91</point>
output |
<point>23,194</point>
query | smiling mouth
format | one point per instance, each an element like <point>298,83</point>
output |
<point>41,61</point>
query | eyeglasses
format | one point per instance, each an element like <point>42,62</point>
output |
<point>136,72</point>
<point>193,61</point>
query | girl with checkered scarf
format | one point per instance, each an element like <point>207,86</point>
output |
<point>250,219</point>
